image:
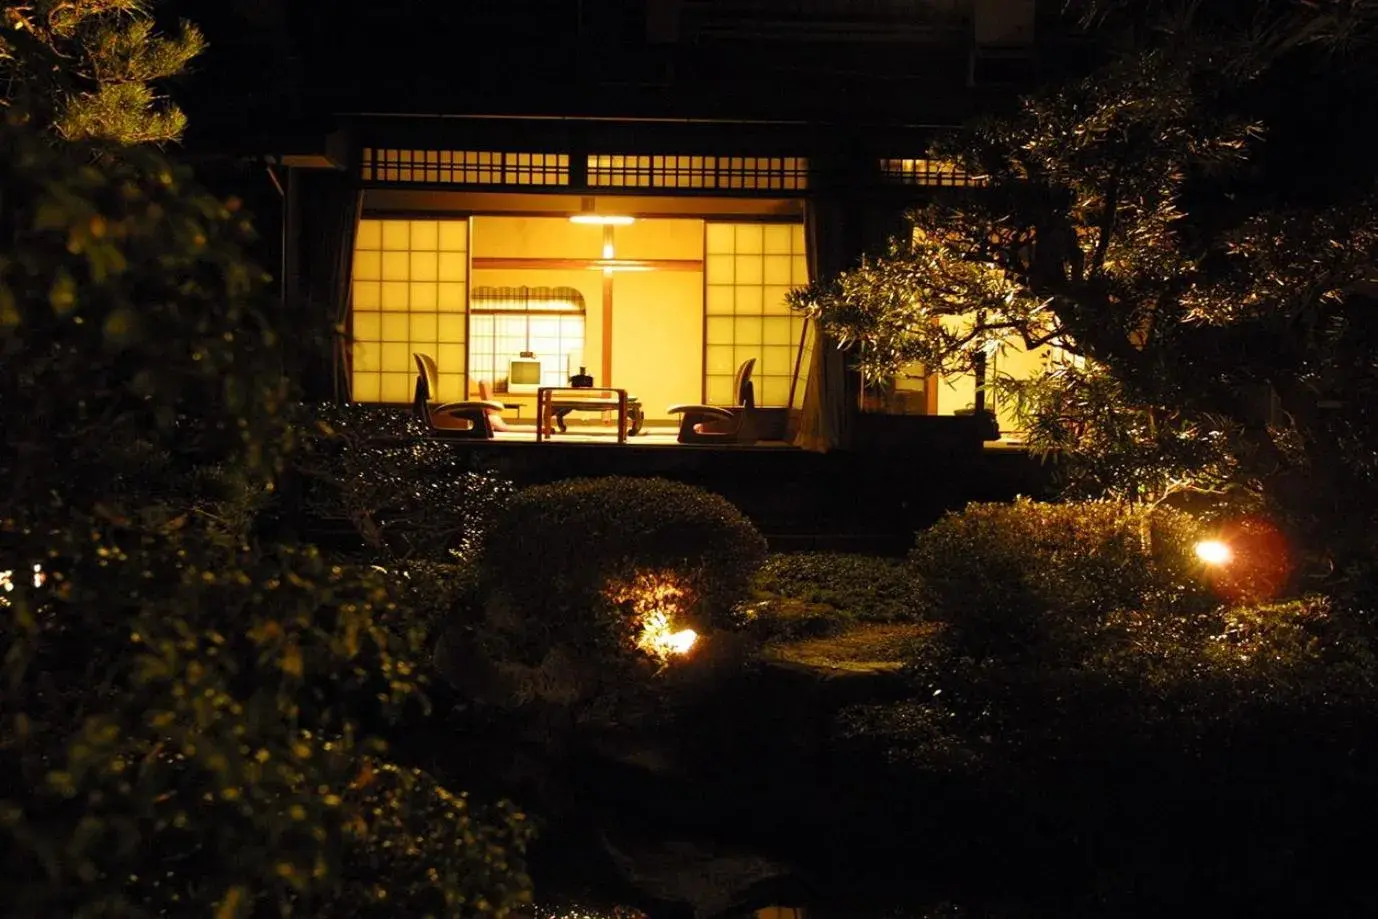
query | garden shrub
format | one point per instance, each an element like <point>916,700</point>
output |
<point>785,619</point>
<point>1294,647</point>
<point>1146,681</point>
<point>189,711</point>
<point>433,596</point>
<point>557,555</point>
<point>859,588</point>
<point>407,497</point>
<point>1010,576</point>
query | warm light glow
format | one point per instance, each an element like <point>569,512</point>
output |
<point>7,578</point>
<point>608,265</point>
<point>1213,552</point>
<point>683,640</point>
<point>603,220</point>
<point>657,639</point>
<point>7,582</point>
<point>654,600</point>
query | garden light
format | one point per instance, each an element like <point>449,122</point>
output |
<point>682,641</point>
<point>656,599</point>
<point>659,642</point>
<point>1214,552</point>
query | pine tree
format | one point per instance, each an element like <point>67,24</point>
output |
<point>89,68</point>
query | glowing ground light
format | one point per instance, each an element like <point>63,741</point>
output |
<point>657,640</point>
<point>1213,552</point>
<point>680,642</point>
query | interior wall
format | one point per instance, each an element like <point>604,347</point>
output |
<point>1020,363</point>
<point>958,391</point>
<point>657,333</point>
<point>657,337</point>
<point>659,238</point>
<point>535,237</point>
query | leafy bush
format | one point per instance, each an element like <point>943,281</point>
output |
<point>219,760</point>
<point>190,715</point>
<point>574,560</point>
<point>859,587</point>
<point>785,619</point>
<point>432,596</point>
<point>1144,679</point>
<point>406,496</point>
<point>1009,576</point>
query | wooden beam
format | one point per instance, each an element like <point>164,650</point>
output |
<point>557,264</point>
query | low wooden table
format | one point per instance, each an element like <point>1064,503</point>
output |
<point>598,398</point>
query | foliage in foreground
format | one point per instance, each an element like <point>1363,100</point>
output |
<point>88,68</point>
<point>1070,627</point>
<point>1010,577</point>
<point>408,498</point>
<point>191,712</point>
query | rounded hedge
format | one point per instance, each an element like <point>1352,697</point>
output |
<point>562,557</point>
<point>1010,576</point>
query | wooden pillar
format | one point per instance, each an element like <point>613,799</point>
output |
<point>978,367</point>
<point>606,379</point>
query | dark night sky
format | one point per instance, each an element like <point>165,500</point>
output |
<point>533,57</point>
<point>421,53</point>
<point>284,62</point>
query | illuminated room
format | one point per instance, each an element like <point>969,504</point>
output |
<point>665,298</point>
<point>665,305</point>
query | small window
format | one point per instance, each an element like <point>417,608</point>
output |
<point>463,167</point>
<point>743,173</point>
<point>930,173</point>
<point>512,327</point>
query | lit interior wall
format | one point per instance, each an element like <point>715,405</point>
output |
<point>749,268</point>
<point>553,242</point>
<point>956,391</point>
<point>409,295</point>
<point>536,237</point>
<point>660,238</point>
<point>1018,362</point>
<point>1010,359</point>
<point>657,335</point>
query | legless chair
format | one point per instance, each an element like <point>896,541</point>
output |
<point>468,420</point>
<point>485,394</point>
<point>722,424</point>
